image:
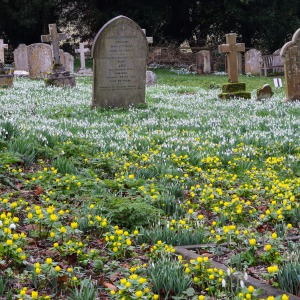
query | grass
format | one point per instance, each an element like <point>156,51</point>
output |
<point>104,194</point>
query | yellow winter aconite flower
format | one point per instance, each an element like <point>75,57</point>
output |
<point>252,242</point>
<point>131,176</point>
<point>268,247</point>
<point>34,295</point>
<point>139,294</point>
<point>49,260</point>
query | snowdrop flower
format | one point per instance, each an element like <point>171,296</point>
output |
<point>223,283</point>
<point>246,276</point>
<point>12,226</point>
<point>1,223</point>
<point>228,272</point>
<point>242,284</point>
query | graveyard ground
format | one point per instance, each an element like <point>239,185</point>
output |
<point>94,202</point>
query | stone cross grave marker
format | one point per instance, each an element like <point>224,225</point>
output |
<point>82,51</point>
<point>2,47</point>
<point>119,61</point>
<point>232,49</point>
<point>291,58</point>
<point>149,38</point>
<point>54,38</point>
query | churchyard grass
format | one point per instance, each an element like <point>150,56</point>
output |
<point>94,201</point>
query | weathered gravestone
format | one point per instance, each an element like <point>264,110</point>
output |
<point>151,78</point>
<point>291,57</point>
<point>67,60</point>
<point>21,58</point>
<point>39,60</point>
<point>264,93</point>
<point>233,88</point>
<point>253,61</point>
<point>204,62</point>
<point>6,79</point>
<point>119,60</point>
<point>58,75</point>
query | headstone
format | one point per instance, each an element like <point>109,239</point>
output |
<point>204,62</point>
<point>149,38</point>
<point>21,58</point>
<point>192,68</point>
<point>264,93</point>
<point>232,49</point>
<point>82,52</point>
<point>39,60</point>
<point>54,38</point>
<point>291,57</point>
<point>6,78</point>
<point>151,78</point>
<point>233,89</point>
<point>67,60</point>
<point>253,61</point>
<point>2,47</point>
<point>119,60</point>
<point>58,76</point>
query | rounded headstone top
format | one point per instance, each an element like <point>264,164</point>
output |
<point>123,24</point>
<point>286,46</point>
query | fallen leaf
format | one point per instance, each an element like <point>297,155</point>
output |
<point>109,286</point>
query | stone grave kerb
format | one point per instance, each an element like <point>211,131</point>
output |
<point>54,38</point>
<point>82,52</point>
<point>290,53</point>
<point>231,48</point>
<point>2,47</point>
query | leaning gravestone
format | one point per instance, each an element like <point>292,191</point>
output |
<point>253,61</point>
<point>291,57</point>
<point>119,60</point>
<point>67,60</point>
<point>39,60</point>
<point>21,58</point>
<point>204,62</point>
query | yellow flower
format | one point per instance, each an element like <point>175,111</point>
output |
<point>74,225</point>
<point>155,297</point>
<point>201,297</point>
<point>128,242</point>
<point>53,217</point>
<point>274,235</point>
<point>49,260</point>
<point>37,270</point>
<point>268,247</point>
<point>130,176</point>
<point>34,295</point>
<point>63,230</point>
<point>250,289</point>
<point>139,294</point>
<point>284,297</point>
<point>9,242</point>
<point>57,268</point>
<point>252,242</point>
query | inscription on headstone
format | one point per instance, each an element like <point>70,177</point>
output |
<point>291,57</point>
<point>120,55</point>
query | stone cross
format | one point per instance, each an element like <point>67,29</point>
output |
<point>82,50</point>
<point>54,37</point>
<point>232,48</point>
<point>149,38</point>
<point>2,47</point>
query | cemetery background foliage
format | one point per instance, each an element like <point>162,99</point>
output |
<point>261,24</point>
<point>94,202</point>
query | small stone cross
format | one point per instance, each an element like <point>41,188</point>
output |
<point>2,47</point>
<point>149,39</point>
<point>232,48</point>
<point>82,50</point>
<point>54,37</point>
